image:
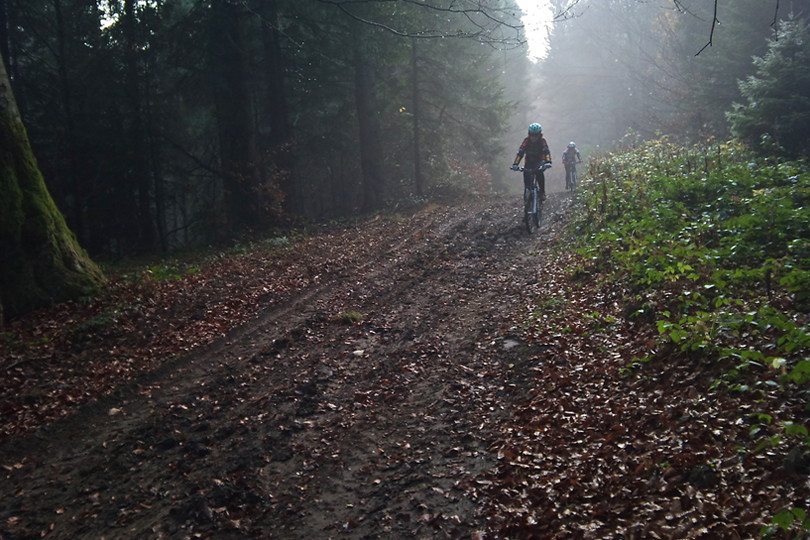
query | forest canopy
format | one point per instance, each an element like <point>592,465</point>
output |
<point>162,125</point>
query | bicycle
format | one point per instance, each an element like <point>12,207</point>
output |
<point>532,208</point>
<point>571,177</point>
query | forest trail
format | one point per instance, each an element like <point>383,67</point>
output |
<point>299,425</point>
<point>438,374</point>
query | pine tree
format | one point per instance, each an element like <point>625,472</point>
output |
<point>775,117</point>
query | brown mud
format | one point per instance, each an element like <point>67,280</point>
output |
<point>360,406</point>
<point>439,374</point>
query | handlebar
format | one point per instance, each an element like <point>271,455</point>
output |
<point>543,167</point>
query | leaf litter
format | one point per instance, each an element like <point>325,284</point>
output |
<point>476,391</point>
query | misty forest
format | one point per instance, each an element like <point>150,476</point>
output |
<point>265,270</point>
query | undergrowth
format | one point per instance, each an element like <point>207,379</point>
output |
<point>712,245</point>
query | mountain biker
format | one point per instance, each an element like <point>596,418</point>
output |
<point>535,148</point>
<point>570,158</point>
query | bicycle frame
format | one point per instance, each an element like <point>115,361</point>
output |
<point>531,203</point>
<point>571,175</point>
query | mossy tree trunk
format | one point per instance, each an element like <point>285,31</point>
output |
<point>40,260</point>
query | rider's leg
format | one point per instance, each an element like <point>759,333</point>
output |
<point>527,184</point>
<point>527,179</point>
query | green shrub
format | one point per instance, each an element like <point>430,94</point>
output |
<point>714,237</point>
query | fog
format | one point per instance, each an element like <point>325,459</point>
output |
<point>619,67</point>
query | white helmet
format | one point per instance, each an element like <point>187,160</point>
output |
<point>572,144</point>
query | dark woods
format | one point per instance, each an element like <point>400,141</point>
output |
<point>160,124</point>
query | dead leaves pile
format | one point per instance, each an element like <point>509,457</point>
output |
<point>589,450</point>
<point>656,454</point>
<point>56,359</point>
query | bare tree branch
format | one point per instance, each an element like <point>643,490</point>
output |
<point>486,21</point>
<point>566,12</point>
<point>680,7</point>
<point>711,34</point>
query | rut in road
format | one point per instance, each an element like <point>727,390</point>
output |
<point>301,425</point>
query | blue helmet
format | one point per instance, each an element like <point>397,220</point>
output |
<point>535,128</point>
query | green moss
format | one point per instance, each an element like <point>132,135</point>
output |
<point>350,317</point>
<point>42,260</point>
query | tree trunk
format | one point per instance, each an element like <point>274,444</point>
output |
<point>4,46</point>
<point>157,176</point>
<point>369,126</point>
<point>280,151</point>
<point>417,152</point>
<point>276,93</point>
<point>237,133</point>
<point>70,127</point>
<point>41,260</point>
<point>139,169</point>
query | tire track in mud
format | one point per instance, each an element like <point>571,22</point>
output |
<point>299,425</point>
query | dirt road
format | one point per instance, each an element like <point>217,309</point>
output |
<point>358,406</point>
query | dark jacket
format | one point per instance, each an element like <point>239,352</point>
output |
<point>535,151</point>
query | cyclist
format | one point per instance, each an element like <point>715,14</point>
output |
<point>535,148</point>
<point>570,158</point>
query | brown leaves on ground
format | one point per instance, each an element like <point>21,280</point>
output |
<point>608,443</point>
<point>438,376</point>
<point>56,359</point>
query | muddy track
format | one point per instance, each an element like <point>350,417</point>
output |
<point>300,424</point>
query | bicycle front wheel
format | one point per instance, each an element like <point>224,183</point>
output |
<point>528,213</point>
<point>537,214</point>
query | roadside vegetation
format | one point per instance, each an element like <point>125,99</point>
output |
<point>711,246</point>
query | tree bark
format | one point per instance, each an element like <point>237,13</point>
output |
<point>42,261</point>
<point>5,52</point>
